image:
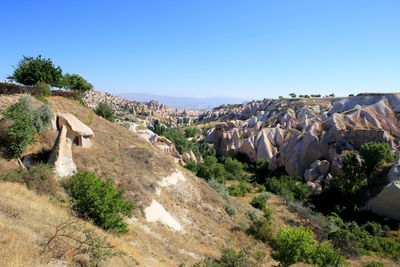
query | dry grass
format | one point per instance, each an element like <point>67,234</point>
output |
<point>27,220</point>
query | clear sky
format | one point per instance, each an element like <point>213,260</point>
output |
<point>247,49</point>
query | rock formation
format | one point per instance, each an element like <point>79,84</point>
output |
<point>294,133</point>
<point>71,131</point>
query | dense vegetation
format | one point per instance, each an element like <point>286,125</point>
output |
<point>179,137</point>
<point>30,71</point>
<point>99,201</point>
<point>76,83</point>
<point>22,122</point>
<point>105,111</point>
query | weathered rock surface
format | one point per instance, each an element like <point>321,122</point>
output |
<point>387,202</point>
<point>78,132</point>
<point>188,156</point>
<point>71,131</point>
<point>394,173</point>
<point>61,155</point>
<point>294,133</point>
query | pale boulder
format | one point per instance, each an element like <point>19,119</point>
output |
<point>394,173</point>
<point>61,155</point>
<point>78,132</point>
<point>387,202</point>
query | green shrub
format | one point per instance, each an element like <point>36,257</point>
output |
<point>245,187</point>
<point>219,187</point>
<point>262,166</point>
<point>239,190</point>
<point>259,202</point>
<point>105,111</point>
<point>375,154</point>
<point>235,191</point>
<point>287,185</point>
<point>204,148</point>
<point>39,178</point>
<point>252,215</point>
<point>211,169</point>
<point>231,210</point>
<point>297,245</point>
<point>41,117</point>
<point>44,88</point>
<point>191,132</point>
<point>374,264</point>
<point>353,239</point>
<point>21,132</point>
<point>76,83</point>
<point>262,230</point>
<point>192,166</point>
<point>229,258</point>
<point>268,213</point>
<point>99,201</point>
<point>233,167</point>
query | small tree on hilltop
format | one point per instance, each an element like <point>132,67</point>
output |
<point>76,83</point>
<point>30,71</point>
<point>292,95</point>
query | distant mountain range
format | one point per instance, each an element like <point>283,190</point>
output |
<point>184,102</point>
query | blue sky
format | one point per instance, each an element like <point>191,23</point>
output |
<point>246,49</point>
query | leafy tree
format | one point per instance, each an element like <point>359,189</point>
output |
<point>375,154</point>
<point>353,176</point>
<point>205,149</point>
<point>233,167</point>
<point>76,83</point>
<point>332,95</point>
<point>30,71</point>
<point>99,201</point>
<point>158,128</point>
<point>105,111</point>
<point>21,132</point>
<point>211,169</point>
<point>297,245</point>
<point>191,132</point>
<point>292,95</point>
<point>286,185</point>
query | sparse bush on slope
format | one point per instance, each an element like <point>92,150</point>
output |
<point>39,178</point>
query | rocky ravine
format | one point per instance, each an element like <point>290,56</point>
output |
<point>305,136</point>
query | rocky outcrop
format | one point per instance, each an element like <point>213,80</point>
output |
<point>61,155</point>
<point>386,203</point>
<point>165,145</point>
<point>71,131</point>
<point>188,156</point>
<point>394,173</point>
<point>78,132</point>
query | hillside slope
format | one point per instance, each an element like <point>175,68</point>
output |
<point>178,218</point>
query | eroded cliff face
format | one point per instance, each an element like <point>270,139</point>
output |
<point>295,133</point>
